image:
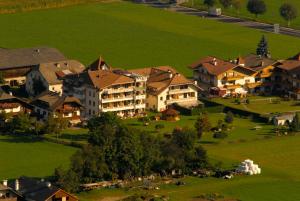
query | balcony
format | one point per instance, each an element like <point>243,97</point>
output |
<point>176,91</point>
<point>117,99</point>
<point>180,100</point>
<point>118,108</point>
<point>118,90</point>
<point>140,106</point>
<point>140,96</point>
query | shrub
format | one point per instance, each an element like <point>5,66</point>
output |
<point>159,126</point>
<point>220,135</point>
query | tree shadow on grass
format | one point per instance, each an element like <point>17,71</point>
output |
<point>72,137</point>
<point>21,139</point>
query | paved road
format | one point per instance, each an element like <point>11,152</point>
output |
<point>226,19</point>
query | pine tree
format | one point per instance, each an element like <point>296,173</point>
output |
<point>262,48</point>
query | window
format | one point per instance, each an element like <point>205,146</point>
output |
<point>161,98</point>
<point>90,102</point>
<point>185,95</point>
<point>93,103</point>
<point>90,94</point>
<point>90,112</point>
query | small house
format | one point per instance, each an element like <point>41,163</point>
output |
<point>284,119</point>
<point>50,103</point>
<point>39,190</point>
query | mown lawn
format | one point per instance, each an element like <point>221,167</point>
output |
<point>133,36</point>
<point>23,156</point>
<point>262,104</point>
<point>271,16</point>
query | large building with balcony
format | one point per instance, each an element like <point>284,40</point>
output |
<point>165,87</point>
<point>118,91</point>
<point>238,77</point>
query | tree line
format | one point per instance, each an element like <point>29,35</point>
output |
<point>115,151</point>
<point>258,7</point>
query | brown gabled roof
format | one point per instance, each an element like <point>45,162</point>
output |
<point>255,62</point>
<point>161,77</point>
<point>170,112</point>
<point>104,78</point>
<point>291,64</point>
<point>213,65</point>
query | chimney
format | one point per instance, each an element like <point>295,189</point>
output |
<point>4,182</point>
<point>17,185</point>
<point>215,63</point>
<point>57,65</point>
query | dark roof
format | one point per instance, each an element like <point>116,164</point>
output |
<point>170,112</point>
<point>99,64</point>
<point>24,57</point>
<point>51,101</point>
<point>35,189</point>
<point>54,71</point>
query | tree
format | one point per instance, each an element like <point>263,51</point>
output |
<point>237,5</point>
<point>288,12</point>
<point>226,3</point>
<point>229,117</point>
<point>209,3</point>
<point>55,125</point>
<point>262,48</point>
<point>202,125</point>
<point>256,7</point>
<point>295,126</point>
<point>21,123</point>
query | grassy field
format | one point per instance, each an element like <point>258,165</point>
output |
<point>23,156</point>
<point>13,6</point>
<point>242,129</point>
<point>279,181</point>
<point>271,16</point>
<point>132,36</point>
<point>262,105</point>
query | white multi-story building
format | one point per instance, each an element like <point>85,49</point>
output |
<point>165,87</point>
<point>108,90</point>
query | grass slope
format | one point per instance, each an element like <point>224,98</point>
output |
<point>271,16</point>
<point>22,156</point>
<point>132,36</point>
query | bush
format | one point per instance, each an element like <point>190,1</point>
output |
<point>220,135</point>
<point>159,126</point>
<point>237,101</point>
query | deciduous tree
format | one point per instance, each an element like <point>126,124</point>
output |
<point>288,12</point>
<point>256,7</point>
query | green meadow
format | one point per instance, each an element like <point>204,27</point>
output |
<point>272,14</point>
<point>133,36</point>
<point>22,156</point>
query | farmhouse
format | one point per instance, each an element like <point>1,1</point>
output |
<point>16,63</point>
<point>101,90</point>
<point>287,76</point>
<point>48,76</point>
<point>165,86</point>
<point>12,105</point>
<point>7,193</point>
<point>250,73</point>
<point>39,190</point>
<point>51,103</point>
